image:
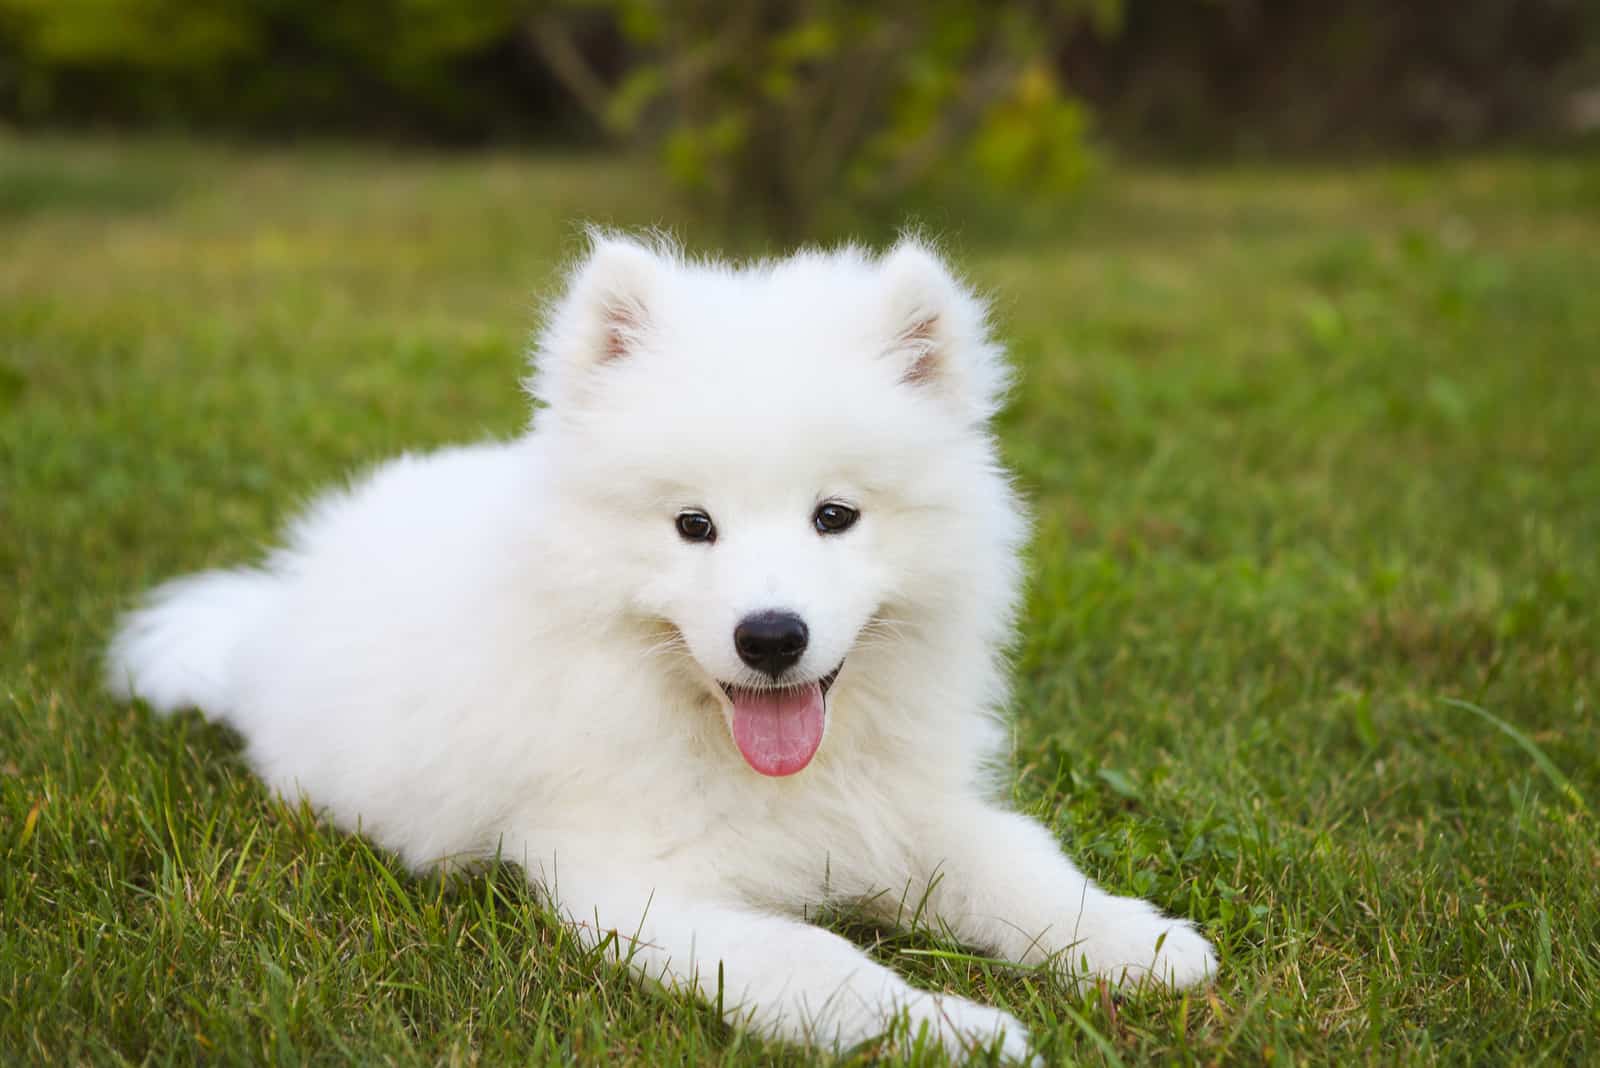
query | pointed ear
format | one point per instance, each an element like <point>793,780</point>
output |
<point>603,317</point>
<point>938,331</point>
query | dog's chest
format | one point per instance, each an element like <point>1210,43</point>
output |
<point>791,843</point>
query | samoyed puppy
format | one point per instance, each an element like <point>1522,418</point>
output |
<point>718,641</point>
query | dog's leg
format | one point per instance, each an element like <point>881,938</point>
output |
<point>1001,882</point>
<point>783,978</point>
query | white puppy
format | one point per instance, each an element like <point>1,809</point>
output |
<point>719,640</point>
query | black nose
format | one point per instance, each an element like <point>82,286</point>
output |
<point>771,642</point>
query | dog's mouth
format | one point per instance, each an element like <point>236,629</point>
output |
<point>779,728</point>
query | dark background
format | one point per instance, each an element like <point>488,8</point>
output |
<point>1160,76</point>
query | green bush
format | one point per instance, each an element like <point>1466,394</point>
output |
<point>831,105</point>
<point>775,111</point>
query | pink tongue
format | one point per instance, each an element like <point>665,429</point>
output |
<point>778,731</point>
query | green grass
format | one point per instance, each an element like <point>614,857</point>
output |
<point>1312,651</point>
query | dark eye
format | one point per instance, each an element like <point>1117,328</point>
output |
<point>696,526</point>
<point>833,517</point>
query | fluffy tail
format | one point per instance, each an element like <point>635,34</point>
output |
<point>174,651</point>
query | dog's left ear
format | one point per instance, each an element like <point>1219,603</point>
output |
<point>939,331</point>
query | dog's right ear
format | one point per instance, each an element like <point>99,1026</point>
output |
<point>603,317</point>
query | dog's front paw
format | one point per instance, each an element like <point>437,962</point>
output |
<point>1183,958</point>
<point>967,1029</point>
<point>1132,943</point>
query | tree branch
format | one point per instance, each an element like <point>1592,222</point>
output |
<point>550,39</point>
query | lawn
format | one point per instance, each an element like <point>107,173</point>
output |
<point>1311,651</point>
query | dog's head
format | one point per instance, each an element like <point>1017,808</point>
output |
<point>784,470</point>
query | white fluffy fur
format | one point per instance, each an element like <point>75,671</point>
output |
<point>507,649</point>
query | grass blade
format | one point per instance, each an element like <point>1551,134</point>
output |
<point>1529,746</point>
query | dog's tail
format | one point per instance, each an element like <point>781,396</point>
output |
<point>174,651</point>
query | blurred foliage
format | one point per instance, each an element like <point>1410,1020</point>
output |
<point>1252,75</point>
<point>447,69</point>
<point>775,110</point>
<point>791,109</point>
<point>782,113</point>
